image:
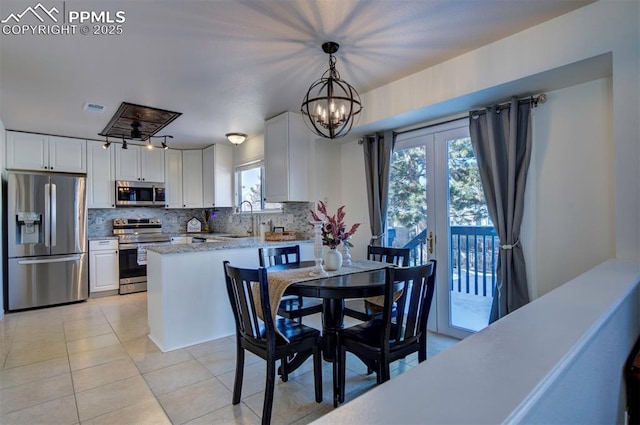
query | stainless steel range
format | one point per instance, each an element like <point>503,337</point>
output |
<point>134,234</point>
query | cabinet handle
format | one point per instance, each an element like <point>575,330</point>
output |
<point>143,179</point>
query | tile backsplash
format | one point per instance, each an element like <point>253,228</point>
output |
<point>294,216</point>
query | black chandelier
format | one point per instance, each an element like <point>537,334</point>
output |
<point>331,105</point>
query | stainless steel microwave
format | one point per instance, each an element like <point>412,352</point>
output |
<point>139,194</point>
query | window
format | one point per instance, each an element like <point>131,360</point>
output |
<point>249,187</point>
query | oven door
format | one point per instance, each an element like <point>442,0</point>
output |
<point>133,268</point>
<point>130,271</point>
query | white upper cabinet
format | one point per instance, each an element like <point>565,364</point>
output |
<point>286,152</point>
<point>173,175</point>
<point>183,186</point>
<point>68,155</point>
<point>192,179</point>
<point>217,176</point>
<point>140,163</point>
<point>100,175</point>
<point>37,152</point>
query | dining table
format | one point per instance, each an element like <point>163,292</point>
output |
<point>360,279</point>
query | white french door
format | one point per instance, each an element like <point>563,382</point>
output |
<point>448,222</point>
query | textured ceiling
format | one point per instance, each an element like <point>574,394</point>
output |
<point>228,65</point>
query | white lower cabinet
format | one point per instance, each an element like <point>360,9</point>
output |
<point>103,265</point>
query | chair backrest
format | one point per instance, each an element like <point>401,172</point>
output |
<point>408,322</point>
<point>282,255</point>
<point>248,324</point>
<point>397,256</point>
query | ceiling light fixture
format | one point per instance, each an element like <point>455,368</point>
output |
<point>331,105</point>
<point>236,138</point>
<point>164,142</point>
<point>164,145</point>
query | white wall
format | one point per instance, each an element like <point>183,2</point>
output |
<point>604,113</point>
<point>354,196</point>
<point>251,150</point>
<point>569,224</point>
<point>600,28</point>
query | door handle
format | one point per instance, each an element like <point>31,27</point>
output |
<point>54,214</point>
<point>49,260</point>
<point>47,214</point>
<point>430,239</point>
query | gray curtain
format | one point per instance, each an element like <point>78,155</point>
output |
<point>501,138</point>
<point>377,163</point>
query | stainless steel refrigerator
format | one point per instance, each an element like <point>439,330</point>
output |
<point>46,226</point>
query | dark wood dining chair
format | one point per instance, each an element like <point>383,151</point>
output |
<point>291,306</point>
<point>259,335</point>
<point>384,254</point>
<point>394,334</point>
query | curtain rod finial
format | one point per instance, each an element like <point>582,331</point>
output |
<point>542,98</point>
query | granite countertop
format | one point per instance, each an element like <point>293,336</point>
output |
<point>214,246</point>
<point>102,238</point>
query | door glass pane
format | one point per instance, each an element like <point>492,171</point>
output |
<point>407,212</point>
<point>473,244</point>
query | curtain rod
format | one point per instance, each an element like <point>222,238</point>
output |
<point>432,125</point>
<point>541,98</point>
<point>535,100</point>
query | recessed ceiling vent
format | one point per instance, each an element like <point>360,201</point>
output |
<point>93,107</point>
<point>136,122</point>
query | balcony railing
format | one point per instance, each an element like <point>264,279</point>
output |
<point>472,259</point>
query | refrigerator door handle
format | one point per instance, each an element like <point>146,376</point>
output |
<point>53,214</point>
<point>47,213</point>
<point>49,260</point>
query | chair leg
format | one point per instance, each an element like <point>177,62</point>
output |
<point>422,351</point>
<point>237,385</point>
<point>269,389</point>
<point>336,377</point>
<point>341,360</point>
<point>384,375</point>
<point>317,371</point>
<point>284,374</point>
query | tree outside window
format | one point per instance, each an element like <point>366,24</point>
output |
<point>249,187</point>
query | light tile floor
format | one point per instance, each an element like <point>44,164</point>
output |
<point>91,363</point>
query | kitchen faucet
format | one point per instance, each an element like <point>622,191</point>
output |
<point>239,209</point>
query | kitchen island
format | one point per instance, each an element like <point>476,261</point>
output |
<point>186,293</point>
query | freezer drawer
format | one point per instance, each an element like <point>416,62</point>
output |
<point>43,281</point>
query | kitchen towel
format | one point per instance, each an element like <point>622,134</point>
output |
<point>142,255</point>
